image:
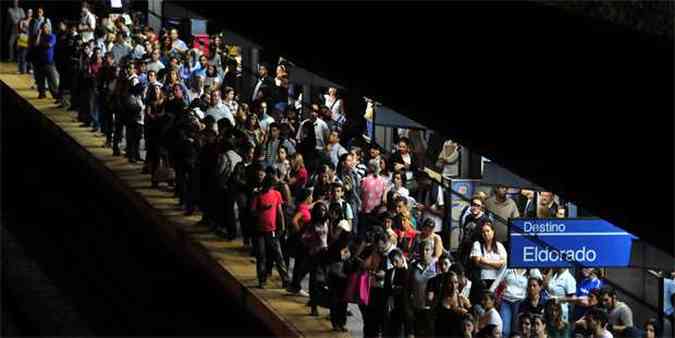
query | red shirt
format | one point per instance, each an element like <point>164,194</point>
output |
<point>301,178</point>
<point>303,209</point>
<point>265,206</point>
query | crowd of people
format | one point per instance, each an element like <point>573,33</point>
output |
<point>366,226</point>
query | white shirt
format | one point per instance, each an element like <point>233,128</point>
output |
<point>485,272</point>
<point>155,66</point>
<point>320,129</point>
<point>561,285</point>
<point>516,283</point>
<point>494,319</point>
<point>220,111</point>
<point>265,121</point>
<point>88,19</point>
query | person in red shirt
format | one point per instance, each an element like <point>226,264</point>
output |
<point>268,211</point>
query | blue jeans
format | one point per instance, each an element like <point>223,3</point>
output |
<point>94,108</point>
<point>21,60</point>
<point>509,313</point>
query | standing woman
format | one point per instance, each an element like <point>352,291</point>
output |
<point>294,247</point>
<point>299,174</point>
<point>315,239</point>
<point>93,96</point>
<point>560,284</point>
<point>22,42</point>
<point>515,292</point>
<point>450,307</point>
<point>491,316</point>
<point>448,162</point>
<point>489,256</point>
<point>153,114</point>
<point>16,14</point>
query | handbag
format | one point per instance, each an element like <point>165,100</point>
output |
<point>358,288</point>
<point>22,41</point>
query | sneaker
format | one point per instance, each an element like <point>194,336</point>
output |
<point>301,292</point>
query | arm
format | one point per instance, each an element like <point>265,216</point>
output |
<point>296,222</point>
<point>280,214</point>
<point>438,246</point>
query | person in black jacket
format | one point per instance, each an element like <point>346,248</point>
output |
<point>404,160</point>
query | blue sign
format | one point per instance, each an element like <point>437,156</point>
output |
<point>563,242</point>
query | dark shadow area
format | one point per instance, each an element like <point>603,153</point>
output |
<point>119,277</point>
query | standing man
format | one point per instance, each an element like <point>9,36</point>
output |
<point>267,207</point>
<point>619,315</point>
<point>16,14</point>
<point>264,83</point>
<point>87,23</point>
<point>503,206</point>
<point>45,63</point>
<point>34,37</point>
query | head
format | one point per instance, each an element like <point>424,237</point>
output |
<point>152,76</point>
<point>477,206</point>
<point>262,70</point>
<point>533,287</point>
<point>596,319</point>
<point>29,13</point>
<point>374,151</point>
<point>374,167</point>
<point>229,93</point>
<point>608,297</point>
<point>397,259</point>
<point>333,137</point>
<point>319,212</point>
<point>487,231</point>
<point>203,61</point>
<point>404,145</point>
<point>444,264</point>
<point>489,331</point>
<point>427,227</point>
<point>525,324</point>
<point>398,179</point>
<point>178,92</point>
<point>487,300</point>
<point>545,198</point>
<point>174,34</point>
<point>40,12</point>
<point>427,251</point>
<point>332,91</point>
<point>46,29</point>
<point>553,310</point>
<point>539,325</point>
<point>297,162</point>
<point>500,192</point>
<point>337,191</point>
<point>215,97</point>
<point>282,153</point>
<point>651,328</point>
<point>468,326</point>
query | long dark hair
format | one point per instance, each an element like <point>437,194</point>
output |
<point>481,240</point>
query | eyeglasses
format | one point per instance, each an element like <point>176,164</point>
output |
<point>476,205</point>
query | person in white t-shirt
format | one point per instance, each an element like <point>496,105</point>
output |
<point>491,316</point>
<point>488,254</point>
<point>560,284</point>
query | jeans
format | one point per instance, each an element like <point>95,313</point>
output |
<point>94,108</point>
<point>269,241</point>
<point>47,72</point>
<point>509,313</point>
<point>12,43</point>
<point>21,61</point>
